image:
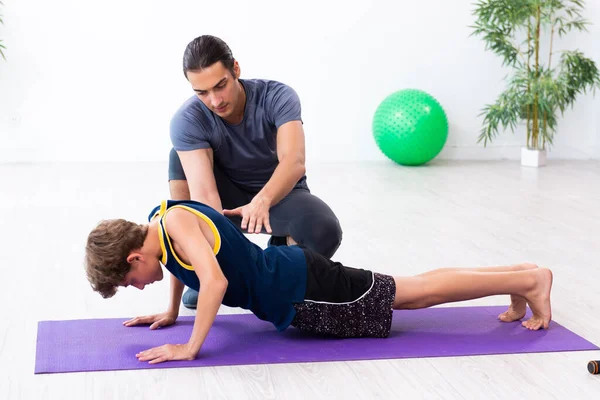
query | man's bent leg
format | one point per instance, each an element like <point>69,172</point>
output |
<point>231,195</point>
<point>308,220</point>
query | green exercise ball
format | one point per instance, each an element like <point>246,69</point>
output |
<point>410,127</point>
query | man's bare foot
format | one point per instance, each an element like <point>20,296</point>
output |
<point>518,304</point>
<point>539,301</point>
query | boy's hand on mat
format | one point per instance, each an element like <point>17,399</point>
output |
<point>254,215</point>
<point>167,352</point>
<point>155,321</point>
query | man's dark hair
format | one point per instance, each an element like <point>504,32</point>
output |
<point>206,50</point>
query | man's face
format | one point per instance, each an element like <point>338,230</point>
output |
<point>216,88</point>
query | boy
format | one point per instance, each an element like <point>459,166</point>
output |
<point>285,285</point>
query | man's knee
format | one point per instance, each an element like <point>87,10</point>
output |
<point>323,236</point>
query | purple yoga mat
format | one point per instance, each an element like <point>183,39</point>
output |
<point>241,339</point>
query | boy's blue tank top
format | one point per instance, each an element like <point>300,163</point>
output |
<point>267,282</point>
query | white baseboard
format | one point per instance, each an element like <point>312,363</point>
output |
<point>450,152</point>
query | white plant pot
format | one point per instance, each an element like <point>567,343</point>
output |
<point>532,157</point>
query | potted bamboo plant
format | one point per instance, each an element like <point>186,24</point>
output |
<point>537,90</point>
<point>1,45</point>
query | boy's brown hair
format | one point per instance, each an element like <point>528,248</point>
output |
<point>108,246</point>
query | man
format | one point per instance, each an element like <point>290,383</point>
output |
<point>238,146</point>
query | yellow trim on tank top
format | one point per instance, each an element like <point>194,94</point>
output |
<point>163,212</point>
<point>161,239</point>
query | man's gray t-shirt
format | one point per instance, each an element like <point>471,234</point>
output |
<point>246,152</point>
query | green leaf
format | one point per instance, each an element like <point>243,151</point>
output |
<point>2,47</point>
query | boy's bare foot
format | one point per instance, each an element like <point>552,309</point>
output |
<point>516,310</point>
<point>539,300</point>
<point>518,304</point>
<point>525,266</point>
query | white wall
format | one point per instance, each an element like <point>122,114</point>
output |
<point>99,81</point>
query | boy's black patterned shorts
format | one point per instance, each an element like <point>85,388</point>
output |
<point>344,301</point>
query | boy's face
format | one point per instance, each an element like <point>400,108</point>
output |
<point>144,271</point>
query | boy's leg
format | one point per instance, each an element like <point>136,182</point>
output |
<point>423,291</point>
<point>518,304</point>
<point>305,219</point>
<point>503,268</point>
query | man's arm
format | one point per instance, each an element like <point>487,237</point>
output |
<point>290,152</point>
<point>291,155</point>
<point>184,230</point>
<point>198,168</point>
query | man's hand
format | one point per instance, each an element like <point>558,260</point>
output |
<point>156,321</point>
<point>167,352</point>
<point>254,215</point>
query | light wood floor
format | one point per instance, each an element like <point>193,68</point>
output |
<point>395,220</point>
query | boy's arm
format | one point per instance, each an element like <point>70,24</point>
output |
<point>163,319</point>
<point>176,292</point>
<point>185,232</point>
